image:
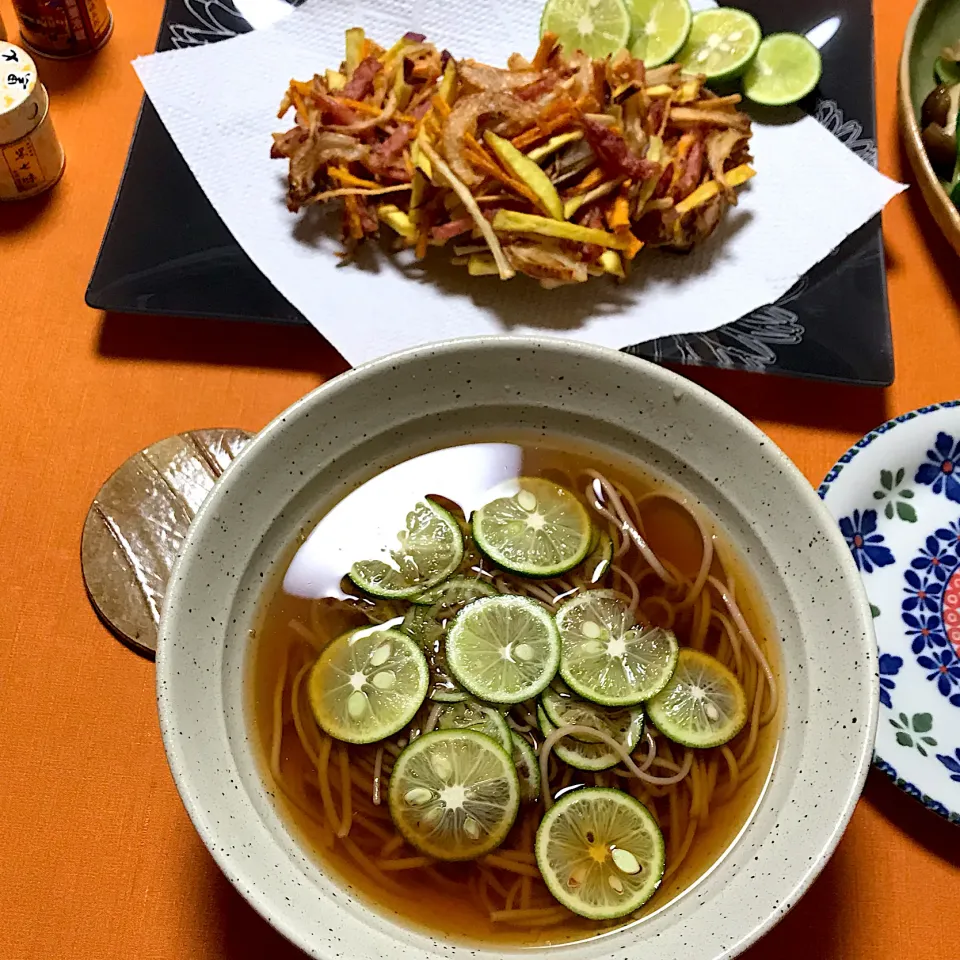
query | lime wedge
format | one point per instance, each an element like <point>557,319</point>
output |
<point>786,68</point>
<point>601,853</point>
<point>543,530</point>
<point>504,649</point>
<point>660,29</point>
<point>702,706</point>
<point>454,794</point>
<point>721,44</point>
<point>597,27</point>
<point>367,684</point>
<point>605,657</point>
<point>430,549</point>
<point>578,753</point>
<point>528,768</point>
<point>478,717</point>
<point>564,708</point>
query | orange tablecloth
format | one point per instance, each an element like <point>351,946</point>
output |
<point>97,857</point>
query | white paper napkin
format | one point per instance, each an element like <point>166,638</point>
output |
<point>219,103</point>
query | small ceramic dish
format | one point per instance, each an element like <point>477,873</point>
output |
<point>483,389</point>
<point>897,500</point>
<point>934,25</point>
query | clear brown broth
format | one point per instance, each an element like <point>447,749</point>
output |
<point>448,906</point>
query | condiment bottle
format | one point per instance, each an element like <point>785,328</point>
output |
<point>63,28</point>
<point>31,158</point>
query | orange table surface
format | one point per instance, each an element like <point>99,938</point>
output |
<point>97,857</point>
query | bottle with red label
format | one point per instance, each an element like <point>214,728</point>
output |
<point>63,28</point>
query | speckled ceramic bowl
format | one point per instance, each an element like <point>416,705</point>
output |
<point>476,389</point>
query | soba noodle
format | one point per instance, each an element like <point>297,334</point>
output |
<point>686,791</point>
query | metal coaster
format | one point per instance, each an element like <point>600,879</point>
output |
<point>137,523</point>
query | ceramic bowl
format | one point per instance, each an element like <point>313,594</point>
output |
<point>934,25</point>
<point>477,389</point>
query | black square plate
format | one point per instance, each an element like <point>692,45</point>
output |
<point>166,251</point>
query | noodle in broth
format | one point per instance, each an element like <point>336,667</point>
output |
<point>671,570</point>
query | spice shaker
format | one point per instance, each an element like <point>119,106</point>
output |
<point>63,28</point>
<point>31,158</point>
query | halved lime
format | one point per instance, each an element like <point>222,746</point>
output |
<point>478,717</point>
<point>503,649</point>
<point>702,706</point>
<point>577,753</point>
<point>454,794</point>
<point>786,68</point>
<point>601,853</point>
<point>660,29</point>
<point>528,768</point>
<point>721,44</point>
<point>367,684</point>
<point>599,559</point>
<point>605,658</point>
<point>543,530</point>
<point>565,708</point>
<point>597,27</point>
<point>453,593</point>
<point>430,549</point>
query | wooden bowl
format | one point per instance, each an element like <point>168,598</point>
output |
<point>934,25</point>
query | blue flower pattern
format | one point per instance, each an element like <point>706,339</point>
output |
<point>921,608</point>
<point>866,545</point>
<point>921,596</point>
<point>940,472</point>
<point>889,667</point>
<point>952,764</point>
<point>923,591</point>
<point>936,559</point>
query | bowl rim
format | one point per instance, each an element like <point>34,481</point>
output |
<point>668,380</point>
<point>910,128</point>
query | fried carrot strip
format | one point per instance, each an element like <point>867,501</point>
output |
<point>441,106</point>
<point>344,176</point>
<point>548,43</point>
<point>482,160</point>
<point>528,138</point>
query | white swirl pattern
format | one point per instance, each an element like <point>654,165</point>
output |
<point>746,344</point>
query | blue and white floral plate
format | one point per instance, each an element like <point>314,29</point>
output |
<point>896,496</point>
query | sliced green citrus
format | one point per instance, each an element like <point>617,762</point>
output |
<point>605,657</point>
<point>454,794</point>
<point>597,27</point>
<point>453,593</point>
<point>367,684</point>
<point>503,649</point>
<point>426,622</point>
<point>430,635</point>
<point>470,715</point>
<point>601,853</point>
<point>528,768</point>
<point>564,708</point>
<point>578,753</point>
<point>542,530</point>
<point>599,559</point>
<point>721,44</point>
<point>786,68</point>
<point>703,705</point>
<point>429,550</point>
<point>660,29</point>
